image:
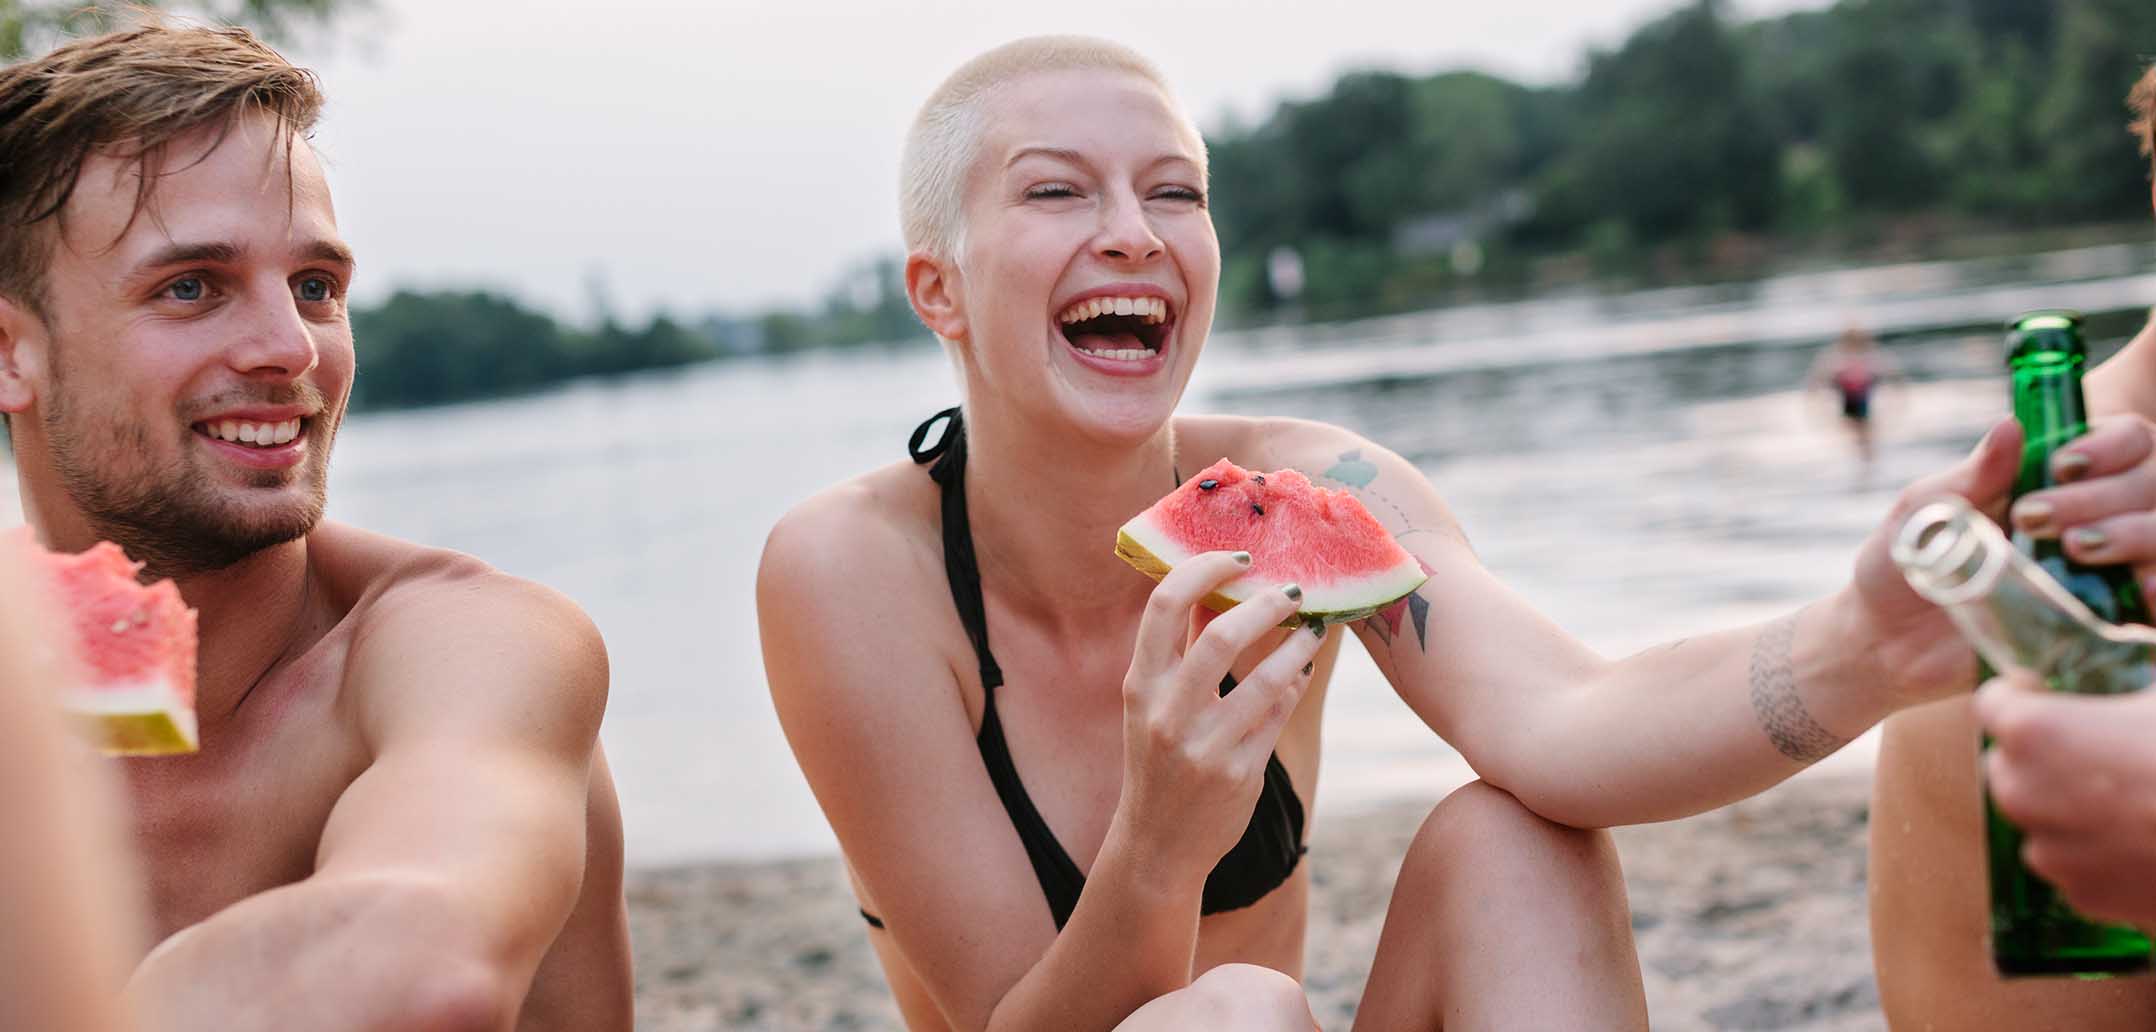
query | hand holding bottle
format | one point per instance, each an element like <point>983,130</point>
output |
<point>2104,508</point>
<point>1920,655</point>
<point>2078,774</point>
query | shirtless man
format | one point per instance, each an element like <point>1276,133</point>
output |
<point>1930,917</point>
<point>399,818</point>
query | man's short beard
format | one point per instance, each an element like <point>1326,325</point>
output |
<point>167,519</point>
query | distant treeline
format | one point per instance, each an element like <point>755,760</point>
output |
<point>434,347</point>
<point>1700,147</point>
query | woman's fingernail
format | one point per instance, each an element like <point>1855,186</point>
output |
<point>2033,514</point>
<point>2086,539</point>
<point>2069,466</point>
<point>1241,557</point>
<point>1294,592</point>
<point>1307,667</point>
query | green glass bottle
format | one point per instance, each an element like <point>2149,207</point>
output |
<point>2033,932</point>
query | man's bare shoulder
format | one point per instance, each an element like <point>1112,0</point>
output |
<point>439,632</point>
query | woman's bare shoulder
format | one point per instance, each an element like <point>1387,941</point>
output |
<point>875,521</point>
<point>1262,442</point>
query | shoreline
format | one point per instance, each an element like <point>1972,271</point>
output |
<point>1748,917</point>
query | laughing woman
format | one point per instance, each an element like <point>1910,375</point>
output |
<point>1055,813</point>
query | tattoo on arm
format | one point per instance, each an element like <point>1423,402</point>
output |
<point>1414,609</point>
<point>1774,698</point>
<point>1358,474</point>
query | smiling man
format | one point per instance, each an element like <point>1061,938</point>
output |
<point>399,818</point>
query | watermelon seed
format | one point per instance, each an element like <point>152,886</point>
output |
<point>141,618</point>
<point>120,626</point>
<point>1259,477</point>
<point>1308,666</point>
<point>1207,485</point>
<point>1256,508</point>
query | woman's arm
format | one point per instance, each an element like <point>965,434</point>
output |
<point>874,712</point>
<point>1674,730</point>
<point>73,917</point>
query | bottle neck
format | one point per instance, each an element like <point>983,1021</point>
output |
<point>2049,407</point>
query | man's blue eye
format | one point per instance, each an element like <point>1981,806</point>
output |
<point>314,289</point>
<point>189,289</point>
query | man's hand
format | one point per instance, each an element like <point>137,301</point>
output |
<point>2104,509</point>
<point>2078,774</point>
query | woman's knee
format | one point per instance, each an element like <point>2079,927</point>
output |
<point>1248,996</point>
<point>1480,825</point>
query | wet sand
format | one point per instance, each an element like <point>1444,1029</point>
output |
<point>1751,917</point>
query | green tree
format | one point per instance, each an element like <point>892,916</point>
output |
<point>1671,138</point>
<point>2079,119</point>
<point>30,25</point>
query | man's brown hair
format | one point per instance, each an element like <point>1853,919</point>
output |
<point>129,94</point>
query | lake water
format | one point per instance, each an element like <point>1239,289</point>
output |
<point>1639,467</point>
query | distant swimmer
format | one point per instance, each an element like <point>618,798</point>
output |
<point>399,817</point>
<point>1853,368</point>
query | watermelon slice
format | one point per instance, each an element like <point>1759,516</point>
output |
<point>133,647</point>
<point>1296,533</point>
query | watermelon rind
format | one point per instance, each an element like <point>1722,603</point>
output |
<point>144,720</point>
<point>1321,604</point>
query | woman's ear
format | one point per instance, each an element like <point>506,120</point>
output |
<point>933,289</point>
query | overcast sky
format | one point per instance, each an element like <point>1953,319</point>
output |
<point>693,156</point>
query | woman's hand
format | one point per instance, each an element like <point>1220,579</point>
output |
<point>2077,773</point>
<point>2104,509</point>
<point>1193,760</point>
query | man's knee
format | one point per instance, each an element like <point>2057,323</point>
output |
<point>1247,996</point>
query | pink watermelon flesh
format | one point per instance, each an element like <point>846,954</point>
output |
<point>133,646</point>
<point>1323,540</point>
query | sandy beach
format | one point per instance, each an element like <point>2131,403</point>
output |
<point>1748,918</point>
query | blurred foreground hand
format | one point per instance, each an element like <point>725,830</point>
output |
<point>2078,774</point>
<point>73,919</point>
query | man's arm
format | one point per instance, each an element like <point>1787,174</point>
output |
<point>449,866</point>
<point>1674,730</point>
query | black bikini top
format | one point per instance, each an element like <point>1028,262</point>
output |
<point>1270,847</point>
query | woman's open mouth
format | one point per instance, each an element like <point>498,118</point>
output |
<point>1118,334</point>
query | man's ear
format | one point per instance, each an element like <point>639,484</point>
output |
<point>24,342</point>
<point>934,294</point>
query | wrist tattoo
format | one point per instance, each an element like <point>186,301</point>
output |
<point>1774,698</point>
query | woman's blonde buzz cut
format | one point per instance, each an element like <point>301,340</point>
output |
<point>946,135</point>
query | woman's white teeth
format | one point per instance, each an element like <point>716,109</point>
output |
<point>1153,310</point>
<point>261,435</point>
<point>1120,354</point>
